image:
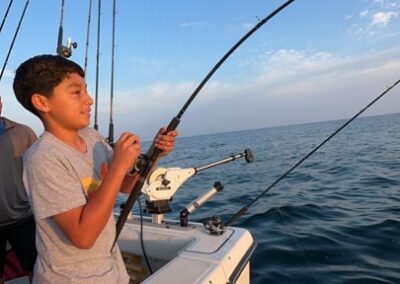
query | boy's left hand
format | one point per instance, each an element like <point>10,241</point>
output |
<point>165,142</point>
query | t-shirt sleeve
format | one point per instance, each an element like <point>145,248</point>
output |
<point>52,185</point>
<point>32,136</point>
<point>108,149</point>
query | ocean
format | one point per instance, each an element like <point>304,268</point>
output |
<point>334,219</point>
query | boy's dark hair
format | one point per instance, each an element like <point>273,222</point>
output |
<point>40,75</point>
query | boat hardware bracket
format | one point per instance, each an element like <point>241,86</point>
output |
<point>198,202</point>
<point>215,225</point>
<point>163,183</point>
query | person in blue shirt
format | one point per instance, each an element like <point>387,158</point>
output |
<point>17,226</point>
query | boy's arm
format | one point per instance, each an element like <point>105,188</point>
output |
<point>82,225</point>
<point>129,182</point>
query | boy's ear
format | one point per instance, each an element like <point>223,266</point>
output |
<point>40,102</point>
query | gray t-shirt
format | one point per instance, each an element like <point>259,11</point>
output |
<point>59,178</point>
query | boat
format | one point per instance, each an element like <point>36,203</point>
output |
<point>183,255</point>
<point>187,254</point>
<point>157,250</point>
<point>182,251</point>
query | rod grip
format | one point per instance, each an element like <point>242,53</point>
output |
<point>111,134</point>
<point>173,124</point>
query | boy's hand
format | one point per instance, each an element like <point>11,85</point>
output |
<point>165,142</point>
<point>126,151</point>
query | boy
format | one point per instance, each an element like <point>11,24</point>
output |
<point>72,177</point>
<point>16,221</point>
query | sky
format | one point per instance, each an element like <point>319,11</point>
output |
<point>317,60</point>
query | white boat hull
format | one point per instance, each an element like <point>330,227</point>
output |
<point>183,255</point>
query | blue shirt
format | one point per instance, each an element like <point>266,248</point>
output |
<point>2,126</point>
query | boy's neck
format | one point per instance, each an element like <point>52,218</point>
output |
<point>70,137</point>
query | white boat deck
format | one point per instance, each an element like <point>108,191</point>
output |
<point>190,254</point>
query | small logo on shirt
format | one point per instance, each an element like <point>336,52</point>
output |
<point>90,184</point>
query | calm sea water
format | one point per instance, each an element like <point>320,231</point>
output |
<point>335,219</point>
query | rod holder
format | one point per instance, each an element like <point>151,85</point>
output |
<point>198,203</point>
<point>247,154</point>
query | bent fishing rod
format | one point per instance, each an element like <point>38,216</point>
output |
<point>13,40</point>
<point>153,155</point>
<point>245,208</point>
<point>6,14</point>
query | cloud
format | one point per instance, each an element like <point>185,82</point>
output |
<point>364,13</point>
<point>382,18</point>
<point>200,24</point>
<point>247,25</point>
<point>289,61</point>
<point>292,86</point>
<point>386,4</point>
<point>149,66</point>
<point>377,21</point>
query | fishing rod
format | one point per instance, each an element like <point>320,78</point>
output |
<point>110,138</point>
<point>14,38</point>
<point>64,50</point>
<point>245,208</point>
<point>152,156</point>
<point>96,100</point>
<point>6,14</point>
<point>87,38</point>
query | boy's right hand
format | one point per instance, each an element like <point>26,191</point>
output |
<point>126,151</point>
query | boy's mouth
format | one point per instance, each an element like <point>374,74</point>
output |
<point>86,112</point>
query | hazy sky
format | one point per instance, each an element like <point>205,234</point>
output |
<point>317,60</point>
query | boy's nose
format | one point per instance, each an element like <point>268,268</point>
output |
<point>89,99</point>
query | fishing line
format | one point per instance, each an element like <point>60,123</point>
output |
<point>13,41</point>
<point>87,38</point>
<point>293,236</point>
<point>97,67</point>
<point>110,138</point>
<point>152,157</point>
<point>6,14</point>
<point>245,208</point>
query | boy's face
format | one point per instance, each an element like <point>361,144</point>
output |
<point>70,104</point>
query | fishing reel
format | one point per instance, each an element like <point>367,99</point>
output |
<point>163,183</point>
<point>66,50</point>
<point>215,225</point>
